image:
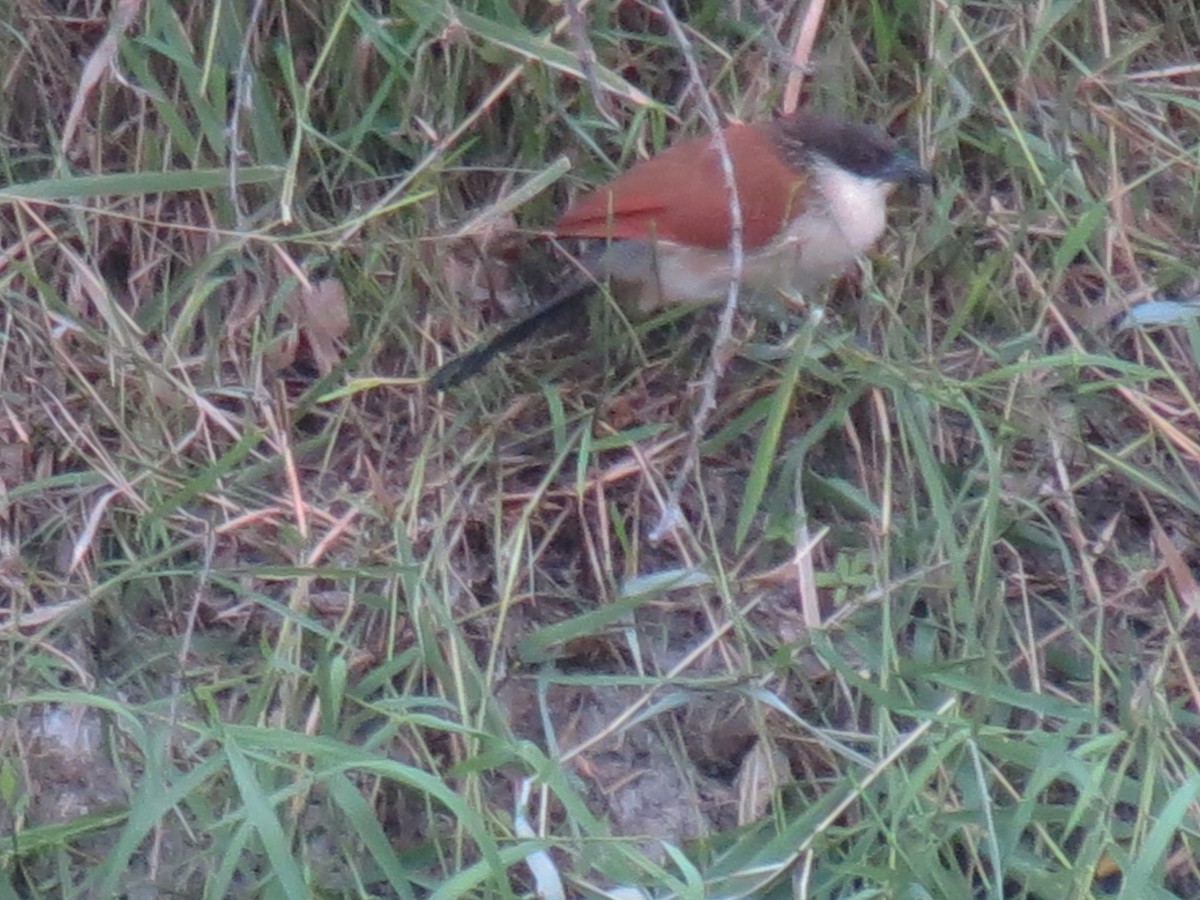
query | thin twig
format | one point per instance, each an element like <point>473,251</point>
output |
<point>723,344</point>
<point>802,55</point>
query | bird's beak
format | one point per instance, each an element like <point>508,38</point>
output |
<point>904,169</point>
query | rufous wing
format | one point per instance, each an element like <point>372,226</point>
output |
<point>680,195</point>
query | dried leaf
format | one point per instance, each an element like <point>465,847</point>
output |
<point>475,267</point>
<point>764,771</point>
<point>320,312</point>
<point>1177,567</point>
<point>98,63</point>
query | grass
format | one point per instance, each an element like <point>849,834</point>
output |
<point>278,622</point>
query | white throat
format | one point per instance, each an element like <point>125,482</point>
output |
<point>857,205</point>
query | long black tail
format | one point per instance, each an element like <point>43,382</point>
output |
<point>460,369</point>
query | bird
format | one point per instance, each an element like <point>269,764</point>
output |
<point>812,189</point>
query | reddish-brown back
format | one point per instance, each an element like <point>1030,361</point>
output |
<point>680,195</point>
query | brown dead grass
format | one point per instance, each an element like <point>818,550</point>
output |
<point>953,645</point>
